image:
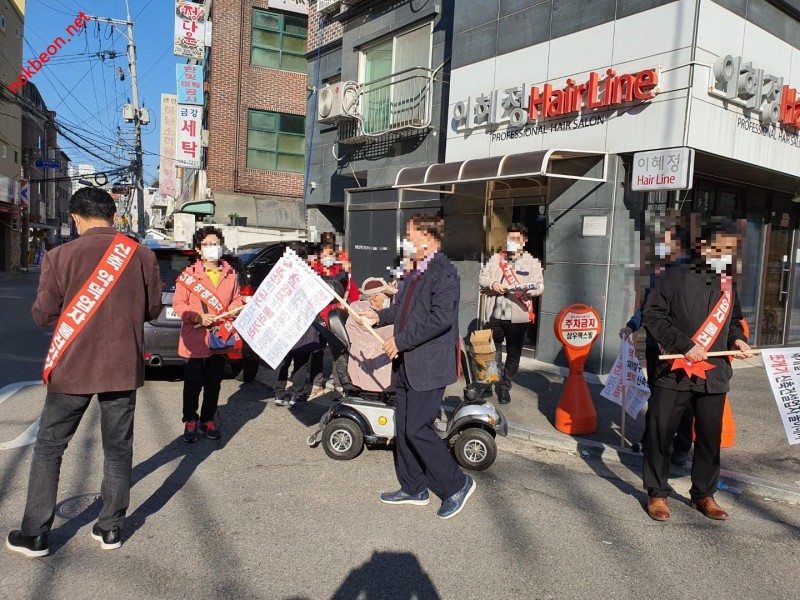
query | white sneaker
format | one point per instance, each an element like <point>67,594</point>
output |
<point>280,400</point>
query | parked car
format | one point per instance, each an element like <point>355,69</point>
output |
<point>161,335</point>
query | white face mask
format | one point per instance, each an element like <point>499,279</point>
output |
<point>409,249</point>
<point>328,261</point>
<point>513,246</point>
<point>663,250</point>
<point>719,263</point>
<point>387,303</point>
<point>212,252</point>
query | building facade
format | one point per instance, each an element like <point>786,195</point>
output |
<point>548,108</point>
<point>12,18</point>
<point>256,101</point>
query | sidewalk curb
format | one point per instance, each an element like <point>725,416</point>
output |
<point>735,483</point>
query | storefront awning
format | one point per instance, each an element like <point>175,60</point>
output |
<point>34,225</point>
<point>568,164</point>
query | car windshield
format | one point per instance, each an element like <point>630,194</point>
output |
<point>249,255</point>
<point>170,264</point>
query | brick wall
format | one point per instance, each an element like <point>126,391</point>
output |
<point>261,89</point>
<point>330,31</point>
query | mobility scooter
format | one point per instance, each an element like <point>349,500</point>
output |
<point>368,418</point>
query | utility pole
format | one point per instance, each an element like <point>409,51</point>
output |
<point>140,116</point>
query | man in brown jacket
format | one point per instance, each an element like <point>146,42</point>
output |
<point>97,292</point>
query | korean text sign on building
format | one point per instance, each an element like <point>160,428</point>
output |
<point>783,371</point>
<point>190,35</point>
<point>283,308</point>
<point>189,150</point>
<point>167,178</point>
<point>190,84</point>
<point>670,169</point>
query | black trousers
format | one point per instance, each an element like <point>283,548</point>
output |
<point>683,437</point>
<point>299,378</point>
<point>60,419</point>
<point>202,374</point>
<point>514,336</point>
<point>666,409</point>
<point>422,459</point>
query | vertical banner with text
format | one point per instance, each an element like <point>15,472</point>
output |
<point>190,84</point>
<point>167,177</point>
<point>783,372</point>
<point>190,24</point>
<point>189,151</point>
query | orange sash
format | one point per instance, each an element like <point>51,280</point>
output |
<point>91,295</point>
<point>709,332</point>
<point>511,278</point>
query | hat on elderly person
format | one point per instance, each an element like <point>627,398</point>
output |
<point>377,285</point>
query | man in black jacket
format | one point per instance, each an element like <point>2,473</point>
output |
<point>693,310</point>
<point>425,349</point>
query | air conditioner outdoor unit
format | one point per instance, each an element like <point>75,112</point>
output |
<point>337,102</point>
<point>329,6</point>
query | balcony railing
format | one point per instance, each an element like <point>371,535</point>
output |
<point>399,102</point>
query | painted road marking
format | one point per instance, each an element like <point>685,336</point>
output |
<point>29,435</point>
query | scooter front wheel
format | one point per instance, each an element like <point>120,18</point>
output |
<point>342,439</point>
<point>475,449</point>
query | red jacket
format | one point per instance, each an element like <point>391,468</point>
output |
<point>351,293</point>
<point>194,342</point>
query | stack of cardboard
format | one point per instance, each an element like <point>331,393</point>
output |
<point>484,356</point>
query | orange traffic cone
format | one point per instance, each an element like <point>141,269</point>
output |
<point>728,426</point>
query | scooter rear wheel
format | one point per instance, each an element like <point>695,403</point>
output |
<point>475,449</point>
<point>342,439</point>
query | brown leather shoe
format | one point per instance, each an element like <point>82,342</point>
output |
<point>657,508</point>
<point>709,507</point>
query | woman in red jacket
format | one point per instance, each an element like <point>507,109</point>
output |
<point>204,290</point>
<point>332,265</point>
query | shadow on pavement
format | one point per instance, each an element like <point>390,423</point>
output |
<point>396,575</point>
<point>235,414</point>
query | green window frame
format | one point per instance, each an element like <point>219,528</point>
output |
<point>279,41</point>
<point>276,141</point>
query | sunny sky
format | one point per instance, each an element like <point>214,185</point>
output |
<point>80,84</point>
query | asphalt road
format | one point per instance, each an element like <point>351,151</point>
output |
<point>262,515</point>
<point>24,343</point>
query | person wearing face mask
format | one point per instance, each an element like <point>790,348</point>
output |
<point>330,267</point>
<point>506,312</point>
<point>204,290</point>
<point>670,252</point>
<point>95,293</point>
<point>367,367</point>
<point>425,351</point>
<point>693,310</point>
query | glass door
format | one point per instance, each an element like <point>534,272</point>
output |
<point>376,98</point>
<point>778,277</point>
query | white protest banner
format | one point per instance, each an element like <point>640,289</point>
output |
<point>627,373</point>
<point>783,371</point>
<point>283,308</point>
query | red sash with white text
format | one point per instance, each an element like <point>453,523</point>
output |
<point>511,278</point>
<point>90,296</point>
<point>212,303</point>
<point>709,332</point>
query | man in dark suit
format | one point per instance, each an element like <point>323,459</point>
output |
<point>425,353</point>
<point>96,292</point>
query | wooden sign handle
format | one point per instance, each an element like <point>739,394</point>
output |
<point>355,314</point>
<point>717,353</point>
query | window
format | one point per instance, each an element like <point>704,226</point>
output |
<point>275,142</point>
<point>2,22</point>
<point>279,41</point>
<point>391,100</point>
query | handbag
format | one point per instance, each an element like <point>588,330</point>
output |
<point>215,340</point>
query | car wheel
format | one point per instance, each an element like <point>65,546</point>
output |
<point>475,449</point>
<point>342,439</point>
